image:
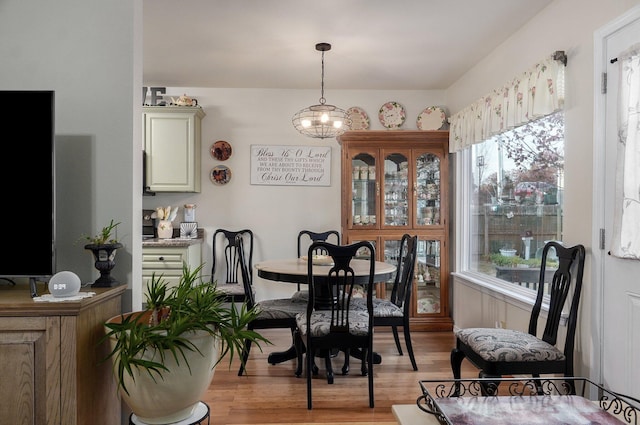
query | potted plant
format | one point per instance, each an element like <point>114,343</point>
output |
<point>104,246</point>
<point>165,356</point>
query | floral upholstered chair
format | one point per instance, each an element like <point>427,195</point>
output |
<point>498,352</point>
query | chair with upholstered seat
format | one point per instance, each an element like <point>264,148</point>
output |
<point>396,310</point>
<point>331,321</point>
<point>227,242</point>
<point>498,352</point>
<point>273,314</point>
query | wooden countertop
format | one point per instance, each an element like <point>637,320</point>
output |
<point>16,301</point>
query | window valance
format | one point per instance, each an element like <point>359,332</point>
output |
<point>531,95</point>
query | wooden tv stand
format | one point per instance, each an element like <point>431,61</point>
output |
<point>51,362</point>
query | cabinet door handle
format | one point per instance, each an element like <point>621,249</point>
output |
<point>161,258</point>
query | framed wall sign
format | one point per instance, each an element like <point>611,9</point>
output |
<point>291,165</point>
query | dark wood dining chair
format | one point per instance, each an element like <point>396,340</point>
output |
<point>273,314</point>
<point>338,324</point>
<point>396,311</point>
<point>305,239</point>
<point>498,352</point>
<point>229,259</point>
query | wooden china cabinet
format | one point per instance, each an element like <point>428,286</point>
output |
<point>396,182</point>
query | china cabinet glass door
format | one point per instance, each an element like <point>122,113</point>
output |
<point>397,189</point>
<point>427,277</point>
<point>363,191</point>
<point>427,189</point>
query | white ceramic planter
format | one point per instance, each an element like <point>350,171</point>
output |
<point>508,252</point>
<point>175,396</point>
<point>165,229</point>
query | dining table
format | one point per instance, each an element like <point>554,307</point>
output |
<point>294,270</point>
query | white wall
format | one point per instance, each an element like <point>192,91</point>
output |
<point>245,117</point>
<point>86,52</point>
<point>567,25</point>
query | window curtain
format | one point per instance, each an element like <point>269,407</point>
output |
<point>626,220</point>
<point>535,93</point>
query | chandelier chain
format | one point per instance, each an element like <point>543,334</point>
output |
<point>322,99</point>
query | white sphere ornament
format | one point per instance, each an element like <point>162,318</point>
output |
<point>64,284</point>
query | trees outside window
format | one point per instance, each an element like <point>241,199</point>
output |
<point>515,204</point>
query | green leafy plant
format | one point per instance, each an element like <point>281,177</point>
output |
<point>105,237</point>
<point>173,312</point>
<point>514,261</point>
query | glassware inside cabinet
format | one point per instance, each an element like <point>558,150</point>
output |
<point>363,186</point>
<point>427,277</point>
<point>396,181</point>
<point>427,183</point>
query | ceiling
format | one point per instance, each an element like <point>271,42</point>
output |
<point>376,44</point>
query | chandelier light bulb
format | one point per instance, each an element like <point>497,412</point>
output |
<point>306,123</point>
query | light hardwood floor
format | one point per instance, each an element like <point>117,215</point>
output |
<point>272,394</point>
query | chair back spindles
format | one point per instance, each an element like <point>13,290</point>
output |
<point>306,238</point>
<point>232,263</point>
<point>332,236</point>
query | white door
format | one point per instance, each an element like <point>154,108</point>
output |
<point>620,278</point>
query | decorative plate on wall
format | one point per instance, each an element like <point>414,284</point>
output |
<point>391,115</point>
<point>220,175</point>
<point>431,118</point>
<point>359,118</point>
<point>221,150</point>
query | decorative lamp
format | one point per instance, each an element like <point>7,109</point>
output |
<point>321,120</point>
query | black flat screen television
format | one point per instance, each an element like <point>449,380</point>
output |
<point>27,185</point>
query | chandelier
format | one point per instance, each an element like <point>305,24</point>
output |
<point>321,120</point>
